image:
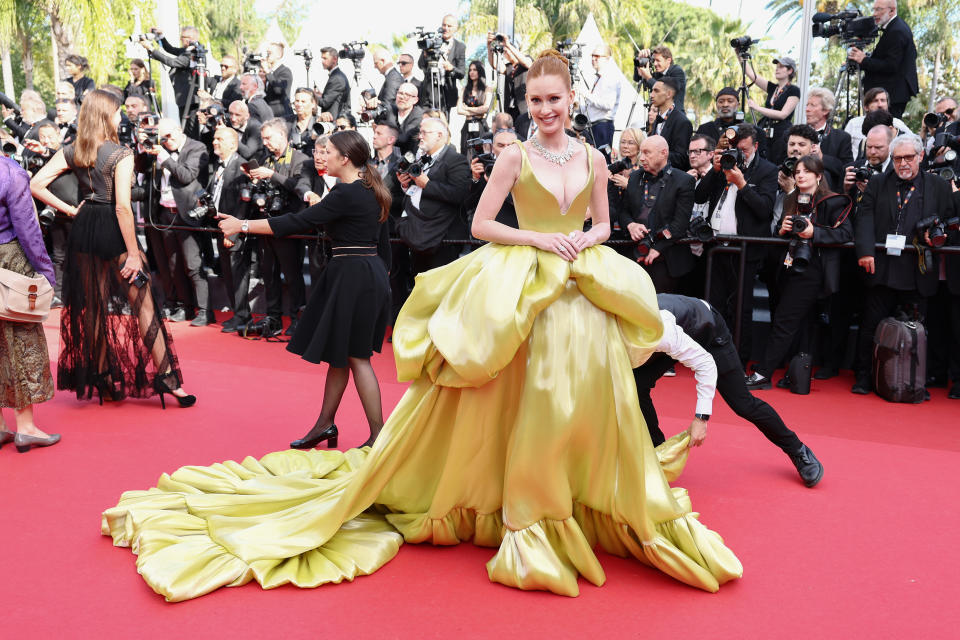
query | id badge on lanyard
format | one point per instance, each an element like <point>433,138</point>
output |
<point>896,241</point>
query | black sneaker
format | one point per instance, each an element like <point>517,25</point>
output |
<point>757,381</point>
<point>861,386</point>
<point>807,465</point>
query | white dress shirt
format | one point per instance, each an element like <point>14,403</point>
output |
<point>684,349</point>
<point>602,100</point>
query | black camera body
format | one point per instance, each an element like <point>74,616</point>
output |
<point>853,29</point>
<point>252,61</point>
<point>742,45</point>
<point>620,165</point>
<point>572,51</point>
<point>411,166</point>
<point>948,140</point>
<point>788,166</point>
<point>429,42</point>
<point>304,53</point>
<point>47,216</point>
<point>353,51</point>
<point>205,207</point>
<point>643,248</point>
<point>732,158</point>
<point>700,229</point>
<point>265,196</point>
<point>215,115</point>
<point>937,229</point>
<point>799,250</point>
<point>862,174</point>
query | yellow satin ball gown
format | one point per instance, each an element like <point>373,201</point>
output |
<point>520,431</point>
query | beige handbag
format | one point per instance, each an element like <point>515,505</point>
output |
<point>24,298</point>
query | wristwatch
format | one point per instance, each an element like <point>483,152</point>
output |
<point>244,226</point>
<point>702,416</point>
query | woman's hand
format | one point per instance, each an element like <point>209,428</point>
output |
<point>752,104</point>
<point>131,267</point>
<point>582,240</point>
<point>228,224</point>
<point>786,225</point>
<point>559,244</point>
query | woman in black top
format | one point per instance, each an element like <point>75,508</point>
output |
<point>113,339</point>
<point>474,104</point>
<point>77,67</point>
<point>345,320</point>
<point>140,83</point>
<point>777,111</point>
<point>804,282</point>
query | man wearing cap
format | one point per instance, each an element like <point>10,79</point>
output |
<point>728,108</point>
<point>893,63</point>
<point>778,108</point>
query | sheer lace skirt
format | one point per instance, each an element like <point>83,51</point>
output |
<point>113,338</point>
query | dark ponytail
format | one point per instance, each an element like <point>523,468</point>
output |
<point>353,147</point>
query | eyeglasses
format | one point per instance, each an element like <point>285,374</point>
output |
<point>904,159</point>
<point>342,127</point>
<point>696,152</point>
<point>404,62</point>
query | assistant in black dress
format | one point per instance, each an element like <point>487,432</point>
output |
<point>345,320</point>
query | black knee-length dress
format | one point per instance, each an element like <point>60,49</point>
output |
<point>346,316</point>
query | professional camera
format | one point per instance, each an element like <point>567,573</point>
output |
<point>252,61</point>
<point>305,53</point>
<point>32,163</point>
<point>643,62</point>
<point>353,51</point>
<point>153,34</point>
<point>645,246</point>
<point>10,104</point>
<point>620,165</point>
<point>138,193</point>
<point>429,42</point>
<point>263,195</point>
<point>788,166</point>
<point>937,120</point>
<point>215,115</point>
<point>700,229</point>
<point>862,174</point>
<point>148,133</point>
<point>498,41</point>
<point>127,133</point>
<point>411,166</point>
<point>732,158</point>
<point>853,29</point>
<point>572,51</point>
<point>47,216</point>
<point>799,251</point>
<point>946,140</point>
<point>204,208</point>
<point>371,115</point>
<point>743,44</point>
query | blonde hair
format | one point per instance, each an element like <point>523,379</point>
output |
<point>550,63</point>
<point>95,126</point>
<point>636,133</point>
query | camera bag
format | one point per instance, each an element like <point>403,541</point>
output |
<point>900,360</point>
<point>799,372</point>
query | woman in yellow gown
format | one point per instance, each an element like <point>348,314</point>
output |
<point>520,429</point>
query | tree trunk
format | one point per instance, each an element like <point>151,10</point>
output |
<point>55,57</point>
<point>26,57</point>
<point>61,34</point>
<point>935,80</point>
<point>7,70</point>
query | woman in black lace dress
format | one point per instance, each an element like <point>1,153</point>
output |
<point>474,103</point>
<point>113,339</point>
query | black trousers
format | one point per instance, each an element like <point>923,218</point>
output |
<point>235,266</point>
<point>59,233</point>
<point>189,260</point>
<point>732,387</point>
<point>401,278</point>
<point>798,301</point>
<point>880,302</point>
<point>897,108</point>
<point>663,282</point>
<point>603,135</point>
<point>844,306</point>
<point>723,295</point>
<point>282,256</point>
<point>163,245</point>
<point>943,335</point>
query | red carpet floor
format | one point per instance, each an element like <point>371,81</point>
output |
<point>870,552</point>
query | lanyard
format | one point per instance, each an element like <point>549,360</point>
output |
<point>902,202</point>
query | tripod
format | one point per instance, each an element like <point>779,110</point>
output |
<point>198,79</point>
<point>581,123</point>
<point>849,70</point>
<point>435,74</point>
<point>744,56</point>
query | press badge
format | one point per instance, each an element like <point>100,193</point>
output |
<point>895,244</point>
<point>473,127</point>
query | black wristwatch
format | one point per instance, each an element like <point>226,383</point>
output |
<point>702,416</point>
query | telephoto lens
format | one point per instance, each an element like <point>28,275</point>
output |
<point>620,165</point>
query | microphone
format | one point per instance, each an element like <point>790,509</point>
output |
<point>821,17</point>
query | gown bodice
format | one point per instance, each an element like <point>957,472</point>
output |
<point>537,207</point>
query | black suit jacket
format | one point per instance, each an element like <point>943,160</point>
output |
<point>293,177</point>
<point>251,144</point>
<point>837,153</point>
<point>893,63</point>
<point>671,211</point>
<point>458,58</point>
<point>715,128</point>
<point>409,130</point>
<point>833,224</point>
<point>439,215</point>
<point>953,261</point>
<point>876,217</point>
<point>188,174</point>
<point>391,82</point>
<point>259,109</point>
<point>230,93</point>
<point>336,94</point>
<point>278,86</point>
<point>754,205</point>
<point>179,61</point>
<point>673,71</point>
<point>677,130</point>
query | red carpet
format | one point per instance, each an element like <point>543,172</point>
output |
<point>870,552</point>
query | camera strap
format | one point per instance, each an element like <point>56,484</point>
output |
<point>843,215</point>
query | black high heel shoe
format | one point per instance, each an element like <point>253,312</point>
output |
<point>162,387</point>
<point>329,434</point>
<point>105,387</point>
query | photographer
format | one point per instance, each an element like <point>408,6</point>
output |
<point>183,171</point>
<point>889,212</point>
<point>451,59</point>
<point>406,117</point>
<point>513,66</point>
<point>140,83</point>
<point>740,203</point>
<point>893,63</point>
<point>834,144</point>
<point>226,87</point>
<point>286,169</point>
<point>251,88</point>
<point>656,212</point>
<point>405,66</point>
<point>391,80</point>
<point>480,168</point>
<point>943,119</point>
<point>235,251</point>
<point>435,187</point>
<point>277,80</point>
<point>77,68</point>
<point>876,159</point>
<point>336,93</point>
<point>663,67</point>
<point>249,130</point>
<point>671,123</point>
<point>385,153</point>
<point>812,215</point>
<point>33,113</point>
<point>303,136</point>
<point>620,170</point>
<point>474,105</point>
<point>180,60</point>
<point>782,100</point>
<point>600,102</point>
<point>134,106</point>
<point>876,99</point>
<point>728,108</point>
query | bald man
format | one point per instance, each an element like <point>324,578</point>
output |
<point>893,63</point>
<point>655,211</point>
<point>602,99</point>
<point>392,79</point>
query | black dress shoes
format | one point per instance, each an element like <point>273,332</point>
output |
<point>309,442</point>
<point>783,383</point>
<point>825,373</point>
<point>861,386</point>
<point>292,328</point>
<point>954,391</point>
<point>232,325</point>
<point>202,319</point>
<point>807,465</point>
<point>757,381</point>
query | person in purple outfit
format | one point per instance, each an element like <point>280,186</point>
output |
<point>25,378</point>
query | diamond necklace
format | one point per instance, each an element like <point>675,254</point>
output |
<point>550,156</point>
